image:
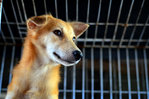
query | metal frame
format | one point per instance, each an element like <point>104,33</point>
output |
<point>110,75</point>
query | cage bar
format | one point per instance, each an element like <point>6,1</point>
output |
<point>34,7</point>
<point>12,63</point>
<point>22,2</point>
<point>137,73</point>
<point>106,28</point>
<point>125,27</point>
<point>128,73</point>
<point>12,37</point>
<point>3,37</point>
<point>106,92</point>
<point>98,18</point>
<point>45,7</point>
<point>74,82</point>
<point>56,9</point>
<point>77,10</point>
<point>110,73</point>
<point>101,72</point>
<point>92,73</point>
<point>93,23</point>
<point>16,19</point>
<point>65,82</point>
<point>87,21</point>
<point>146,72</point>
<point>116,25</point>
<point>144,28</point>
<point>19,11</point>
<point>83,75</point>
<point>107,67</point>
<point>134,29</point>
<point>119,74</point>
<point>2,68</point>
<point>66,3</point>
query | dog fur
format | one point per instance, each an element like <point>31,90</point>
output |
<point>38,73</point>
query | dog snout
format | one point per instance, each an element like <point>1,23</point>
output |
<point>77,55</point>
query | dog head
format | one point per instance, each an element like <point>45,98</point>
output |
<point>56,38</point>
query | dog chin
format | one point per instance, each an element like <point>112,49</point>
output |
<point>66,63</point>
<point>70,64</point>
<point>63,62</point>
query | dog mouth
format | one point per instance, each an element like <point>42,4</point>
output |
<point>58,57</point>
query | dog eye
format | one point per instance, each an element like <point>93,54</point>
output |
<point>57,32</point>
<point>74,38</point>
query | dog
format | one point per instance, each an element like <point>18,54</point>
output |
<point>50,43</point>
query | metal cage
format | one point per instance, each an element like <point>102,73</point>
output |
<point>115,47</point>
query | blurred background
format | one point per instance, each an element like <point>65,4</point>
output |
<point>115,47</point>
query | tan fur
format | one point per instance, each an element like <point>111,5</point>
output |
<point>37,76</point>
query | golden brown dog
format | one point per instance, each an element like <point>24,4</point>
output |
<point>49,43</point>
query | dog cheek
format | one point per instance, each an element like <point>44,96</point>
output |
<point>49,53</point>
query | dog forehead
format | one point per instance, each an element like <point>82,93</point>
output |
<point>68,30</point>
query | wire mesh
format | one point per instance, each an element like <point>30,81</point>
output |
<point>115,47</point>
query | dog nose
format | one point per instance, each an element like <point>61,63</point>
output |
<point>77,55</point>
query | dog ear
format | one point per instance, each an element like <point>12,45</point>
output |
<point>36,22</point>
<point>79,28</point>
